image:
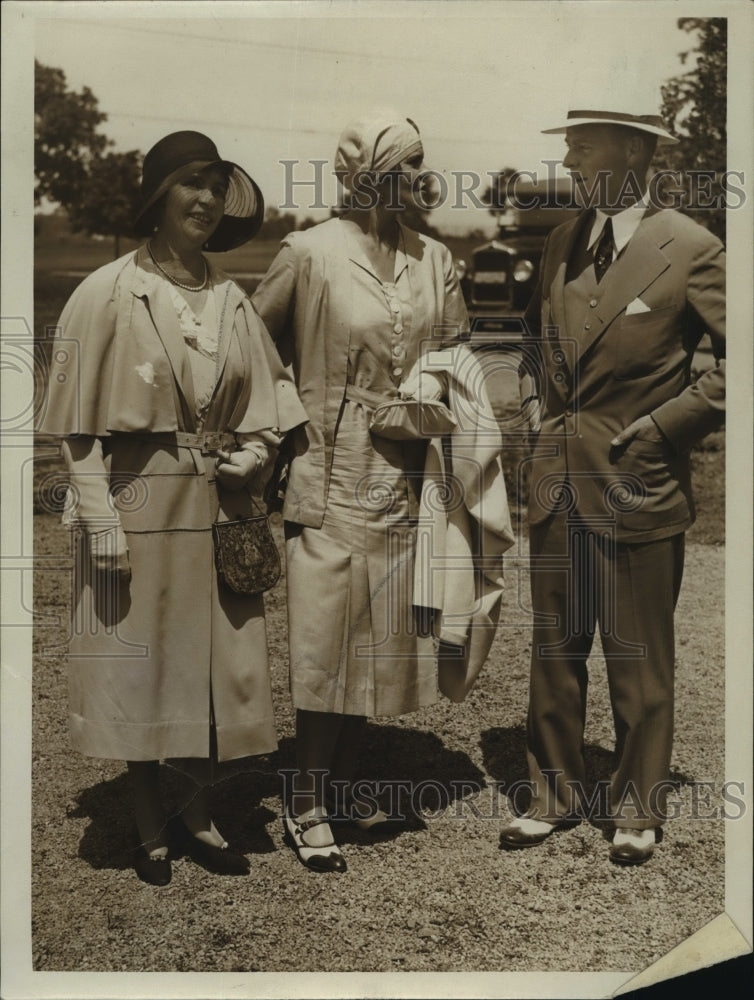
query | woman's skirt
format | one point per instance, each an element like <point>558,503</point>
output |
<point>357,645</point>
<point>157,664</point>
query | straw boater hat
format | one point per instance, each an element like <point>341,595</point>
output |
<point>176,156</point>
<point>645,123</point>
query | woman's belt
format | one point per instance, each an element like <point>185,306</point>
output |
<point>208,443</point>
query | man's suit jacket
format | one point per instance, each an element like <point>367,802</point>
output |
<point>623,364</point>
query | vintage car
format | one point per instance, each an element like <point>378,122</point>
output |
<point>499,279</point>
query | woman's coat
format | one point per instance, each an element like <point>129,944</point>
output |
<point>151,660</point>
<point>305,303</point>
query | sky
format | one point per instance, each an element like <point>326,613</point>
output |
<point>276,81</point>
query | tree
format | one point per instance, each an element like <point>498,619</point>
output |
<point>112,197</point>
<point>65,136</point>
<point>99,190</point>
<point>277,224</point>
<point>694,107</point>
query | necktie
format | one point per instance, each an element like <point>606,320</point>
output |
<point>603,256</point>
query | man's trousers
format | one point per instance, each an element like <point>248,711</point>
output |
<point>581,579</point>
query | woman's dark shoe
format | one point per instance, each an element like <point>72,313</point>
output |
<point>317,858</point>
<point>150,869</point>
<point>220,860</point>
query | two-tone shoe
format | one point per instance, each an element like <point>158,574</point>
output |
<point>316,857</point>
<point>632,847</point>
<point>526,832</point>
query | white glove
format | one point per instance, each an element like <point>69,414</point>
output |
<point>235,468</point>
<point>91,506</point>
<point>109,552</point>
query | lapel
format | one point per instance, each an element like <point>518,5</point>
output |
<point>151,287</point>
<point>228,297</point>
<point>561,257</point>
<point>641,262</point>
<point>333,303</point>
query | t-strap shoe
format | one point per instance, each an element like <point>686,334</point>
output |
<point>319,858</point>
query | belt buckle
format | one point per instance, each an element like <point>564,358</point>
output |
<point>212,443</point>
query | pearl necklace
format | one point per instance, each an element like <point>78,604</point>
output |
<point>175,281</point>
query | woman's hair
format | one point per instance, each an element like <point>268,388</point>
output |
<point>153,215</point>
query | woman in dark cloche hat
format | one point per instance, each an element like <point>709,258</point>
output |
<point>170,400</point>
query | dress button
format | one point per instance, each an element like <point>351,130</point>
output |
<point>397,371</point>
<point>587,326</point>
<point>398,328</point>
<point>593,303</point>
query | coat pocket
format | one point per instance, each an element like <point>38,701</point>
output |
<point>641,343</point>
<point>647,491</point>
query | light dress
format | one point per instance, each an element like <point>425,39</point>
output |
<point>200,332</point>
<point>355,639</point>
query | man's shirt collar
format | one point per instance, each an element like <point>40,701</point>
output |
<point>625,224</point>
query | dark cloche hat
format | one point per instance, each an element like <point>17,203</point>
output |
<point>178,152</point>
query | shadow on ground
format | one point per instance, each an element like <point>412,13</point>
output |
<point>504,754</point>
<point>408,771</point>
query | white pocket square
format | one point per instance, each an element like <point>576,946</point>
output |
<point>637,306</point>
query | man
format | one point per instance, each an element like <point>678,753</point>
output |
<point>626,291</point>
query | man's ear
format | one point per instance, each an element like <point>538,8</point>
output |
<point>634,148</point>
<point>638,152</point>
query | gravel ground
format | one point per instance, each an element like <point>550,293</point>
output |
<point>439,896</point>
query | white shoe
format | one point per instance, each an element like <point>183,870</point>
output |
<point>632,847</point>
<point>526,832</point>
<point>640,839</point>
<point>532,827</point>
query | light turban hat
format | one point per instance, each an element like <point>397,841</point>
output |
<point>374,145</point>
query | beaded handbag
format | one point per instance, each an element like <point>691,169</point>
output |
<point>246,556</point>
